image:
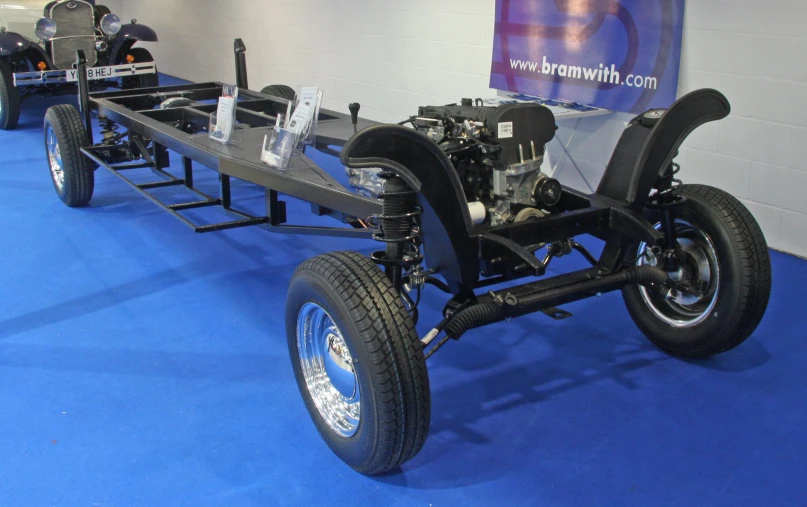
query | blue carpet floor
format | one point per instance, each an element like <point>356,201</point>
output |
<point>143,365</point>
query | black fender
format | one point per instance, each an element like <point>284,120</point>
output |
<point>128,35</point>
<point>651,142</point>
<point>13,43</point>
<point>446,221</point>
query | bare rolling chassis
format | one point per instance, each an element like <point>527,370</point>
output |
<point>690,260</point>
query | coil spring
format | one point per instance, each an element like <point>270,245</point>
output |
<point>668,198</point>
<point>398,212</point>
<point>109,130</point>
<point>398,217</point>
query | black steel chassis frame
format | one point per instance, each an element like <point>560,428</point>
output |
<point>454,248</point>
<point>303,180</point>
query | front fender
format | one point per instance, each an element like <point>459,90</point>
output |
<point>127,36</point>
<point>445,221</point>
<point>12,43</point>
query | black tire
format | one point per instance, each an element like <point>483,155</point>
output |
<point>77,181</point>
<point>100,12</point>
<point>742,288</point>
<point>143,80</point>
<point>282,91</point>
<point>9,98</point>
<point>387,359</point>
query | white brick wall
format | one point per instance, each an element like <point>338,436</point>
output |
<point>754,53</point>
<point>393,56</point>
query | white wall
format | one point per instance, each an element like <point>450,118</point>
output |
<point>116,6</point>
<point>395,56</point>
<point>389,56</point>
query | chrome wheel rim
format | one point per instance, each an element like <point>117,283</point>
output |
<point>55,159</point>
<point>328,370</point>
<point>700,269</point>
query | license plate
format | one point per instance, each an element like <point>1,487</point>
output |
<point>93,73</point>
<point>112,71</point>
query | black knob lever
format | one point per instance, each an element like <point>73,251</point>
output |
<point>354,114</point>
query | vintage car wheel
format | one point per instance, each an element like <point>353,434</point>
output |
<point>142,80</point>
<point>282,91</point>
<point>70,170</point>
<point>725,258</point>
<point>358,361</point>
<point>9,98</point>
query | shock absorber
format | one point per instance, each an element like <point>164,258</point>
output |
<point>399,229</point>
<point>109,131</point>
<point>665,201</point>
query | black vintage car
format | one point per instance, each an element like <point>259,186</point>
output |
<point>47,67</point>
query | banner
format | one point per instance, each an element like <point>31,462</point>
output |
<point>622,55</point>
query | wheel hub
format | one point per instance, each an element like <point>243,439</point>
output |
<point>327,367</point>
<point>698,274</point>
<point>55,159</point>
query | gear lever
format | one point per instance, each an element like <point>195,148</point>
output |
<point>354,114</point>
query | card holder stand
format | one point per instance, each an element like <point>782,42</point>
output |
<point>279,148</point>
<point>293,131</point>
<point>220,135</point>
<point>221,128</point>
<point>310,137</point>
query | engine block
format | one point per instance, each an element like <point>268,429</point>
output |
<point>497,152</point>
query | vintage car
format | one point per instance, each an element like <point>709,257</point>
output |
<point>38,44</point>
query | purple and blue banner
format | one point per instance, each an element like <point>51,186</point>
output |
<point>622,55</point>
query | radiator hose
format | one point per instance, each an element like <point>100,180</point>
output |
<point>488,313</point>
<point>473,317</point>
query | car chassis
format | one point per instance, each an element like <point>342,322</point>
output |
<point>423,215</point>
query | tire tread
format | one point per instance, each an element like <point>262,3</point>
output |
<point>390,340</point>
<point>10,98</point>
<point>70,132</point>
<point>278,90</point>
<point>754,287</point>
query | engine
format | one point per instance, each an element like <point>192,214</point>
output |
<point>497,153</point>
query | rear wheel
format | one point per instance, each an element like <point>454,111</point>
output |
<point>71,172</point>
<point>358,361</point>
<point>724,261</point>
<point>9,98</point>
<point>282,91</point>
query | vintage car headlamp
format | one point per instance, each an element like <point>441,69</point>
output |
<point>45,29</point>
<point>110,24</point>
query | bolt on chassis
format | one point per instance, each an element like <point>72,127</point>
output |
<point>690,260</point>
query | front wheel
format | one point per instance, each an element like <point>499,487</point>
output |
<point>358,361</point>
<point>71,172</point>
<point>9,98</point>
<point>724,259</point>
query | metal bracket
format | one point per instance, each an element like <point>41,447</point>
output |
<point>84,93</point>
<point>556,313</point>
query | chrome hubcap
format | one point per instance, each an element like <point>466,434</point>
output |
<point>55,159</point>
<point>328,370</point>
<point>699,270</point>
